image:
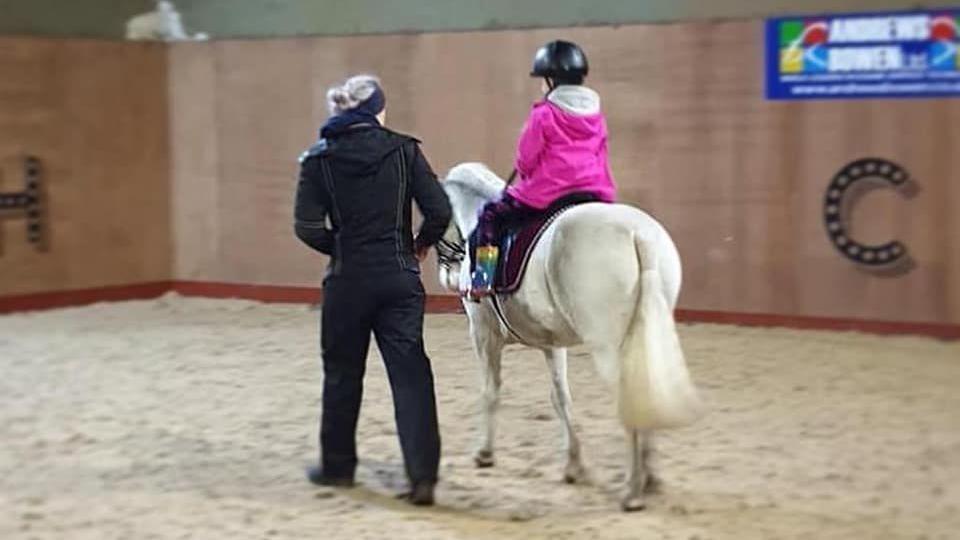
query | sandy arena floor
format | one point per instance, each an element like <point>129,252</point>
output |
<point>194,419</point>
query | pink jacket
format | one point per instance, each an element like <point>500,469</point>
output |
<point>563,150</point>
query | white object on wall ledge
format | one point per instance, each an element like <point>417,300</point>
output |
<point>162,24</point>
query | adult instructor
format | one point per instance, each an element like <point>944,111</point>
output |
<point>353,203</point>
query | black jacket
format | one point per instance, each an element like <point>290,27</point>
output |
<point>363,180</point>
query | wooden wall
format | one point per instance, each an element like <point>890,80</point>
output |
<point>738,181</point>
<point>95,113</point>
<point>180,163</point>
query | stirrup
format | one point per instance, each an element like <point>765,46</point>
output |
<point>476,295</point>
<point>469,296</point>
<point>477,292</point>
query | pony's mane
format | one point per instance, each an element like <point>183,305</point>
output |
<point>476,177</point>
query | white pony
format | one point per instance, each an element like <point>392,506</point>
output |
<point>162,24</point>
<point>605,276</point>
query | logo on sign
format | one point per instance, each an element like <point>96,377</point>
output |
<point>801,48</point>
<point>943,51</point>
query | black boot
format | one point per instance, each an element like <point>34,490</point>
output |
<point>317,477</point>
<point>420,495</point>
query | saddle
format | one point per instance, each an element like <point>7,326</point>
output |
<point>517,241</point>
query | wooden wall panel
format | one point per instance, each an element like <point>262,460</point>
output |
<point>736,179</point>
<point>195,162</point>
<point>95,113</point>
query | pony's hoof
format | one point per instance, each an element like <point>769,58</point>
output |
<point>654,485</point>
<point>484,459</point>
<point>633,504</point>
<point>575,474</point>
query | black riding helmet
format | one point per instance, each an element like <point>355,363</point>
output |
<point>560,62</point>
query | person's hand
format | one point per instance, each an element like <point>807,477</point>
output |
<point>422,254</point>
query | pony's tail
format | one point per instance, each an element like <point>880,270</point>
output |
<point>655,389</point>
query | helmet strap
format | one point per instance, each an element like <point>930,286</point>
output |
<point>551,85</point>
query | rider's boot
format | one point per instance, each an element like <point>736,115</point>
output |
<point>485,271</point>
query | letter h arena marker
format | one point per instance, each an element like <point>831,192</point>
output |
<point>28,203</point>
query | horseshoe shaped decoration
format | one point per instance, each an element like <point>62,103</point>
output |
<point>28,202</point>
<point>837,205</point>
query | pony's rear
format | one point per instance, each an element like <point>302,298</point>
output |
<point>615,275</point>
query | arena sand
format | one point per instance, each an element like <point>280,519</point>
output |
<point>185,418</point>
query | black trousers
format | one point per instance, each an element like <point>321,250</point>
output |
<point>391,307</point>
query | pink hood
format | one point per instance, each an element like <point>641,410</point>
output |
<point>563,149</point>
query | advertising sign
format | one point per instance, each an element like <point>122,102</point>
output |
<point>864,56</point>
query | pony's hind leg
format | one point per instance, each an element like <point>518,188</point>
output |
<point>489,349</point>
<point>574,471</point>
<point>640,480</point>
